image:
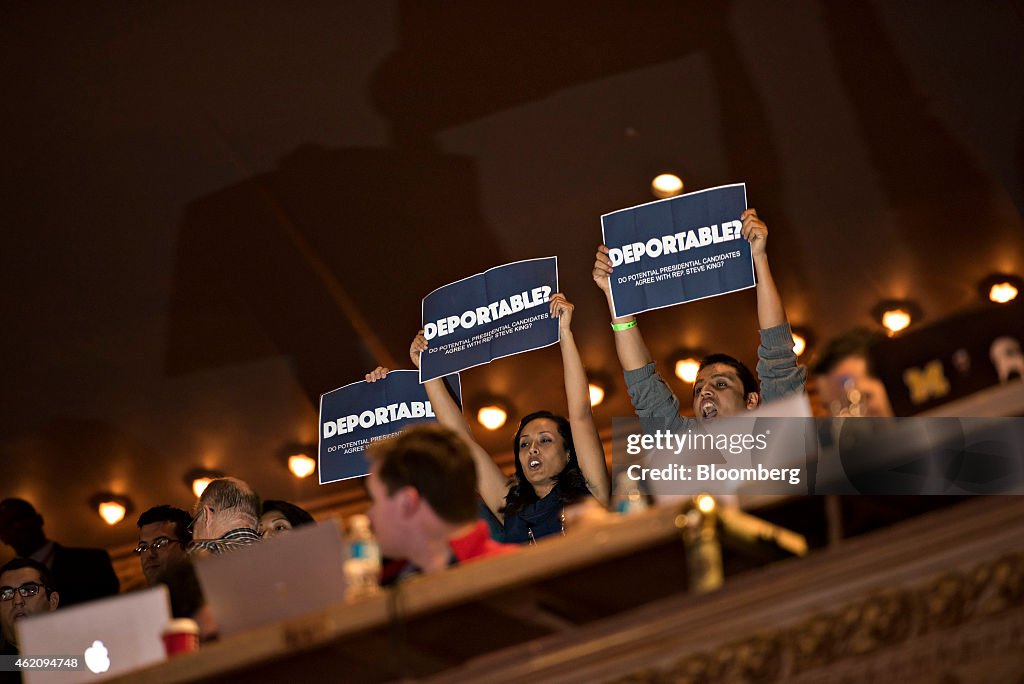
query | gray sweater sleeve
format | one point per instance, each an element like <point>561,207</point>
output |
<point>652,398</point>
<point>776,364</point>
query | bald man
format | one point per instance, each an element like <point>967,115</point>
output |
<point>226,517</point>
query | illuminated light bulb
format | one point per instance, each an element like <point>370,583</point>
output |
<point>596,394</point>
<point>705,503</point>
<point>492,417</point>
<point>895,320</point>
<point>301,465</point>
<point>112,512</point>
<point>686,369</point>
<point>799,344</point>
<point>1001,293</point>
<point>199,485</point>
<point>666,185</point>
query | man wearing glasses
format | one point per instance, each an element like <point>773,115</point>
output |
<point>227,516</point>
<point>163,536</point>
<point>25,589</point>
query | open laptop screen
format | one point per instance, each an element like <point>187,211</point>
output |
<point>109,636</point>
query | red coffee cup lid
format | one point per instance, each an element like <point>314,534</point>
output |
<point>182,626</point>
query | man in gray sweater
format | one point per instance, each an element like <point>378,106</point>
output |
<point>724,386</point>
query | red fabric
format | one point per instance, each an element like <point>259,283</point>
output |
<point>477,543</point>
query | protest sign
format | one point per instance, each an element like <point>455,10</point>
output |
<point>678,250</point>
<point>499,312</point>
<point>356,415</point>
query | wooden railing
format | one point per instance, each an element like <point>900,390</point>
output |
<point>940,597</point>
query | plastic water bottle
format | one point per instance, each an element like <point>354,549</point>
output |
<point>362,566</point>
<point>628,497</point>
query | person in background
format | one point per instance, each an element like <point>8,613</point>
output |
<point>163,537</point>
<point>79,575</point>
<point>187,600</point>
<point>423,510</point>
<point>25,589</point>
<point>845,378</point>
<point>281,516</point>
<point>226,517</point>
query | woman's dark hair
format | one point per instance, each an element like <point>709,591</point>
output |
<point>572,486</point>
<point>295,515</point>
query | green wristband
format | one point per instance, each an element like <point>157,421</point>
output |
<point>619,327</point>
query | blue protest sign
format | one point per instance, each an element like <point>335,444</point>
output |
<point>354,416</point>
<point>499,312</point>
<point>678,250</point>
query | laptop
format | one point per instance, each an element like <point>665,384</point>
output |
<point>109,636</point>
<point>282,577</point>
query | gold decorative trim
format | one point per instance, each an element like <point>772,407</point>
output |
<point>883,621</point>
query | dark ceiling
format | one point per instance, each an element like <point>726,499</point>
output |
<point>216,212</point>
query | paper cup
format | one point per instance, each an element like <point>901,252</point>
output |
<point>181,636</point>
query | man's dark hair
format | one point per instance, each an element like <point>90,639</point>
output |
<point>229,493</point>
<point>44,572</point>
<point>857,342</point>
<point>434,461</point>
<point>18,509</point>
<point>746,377</point>
<point>165,513</point>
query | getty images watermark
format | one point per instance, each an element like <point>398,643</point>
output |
<point>759,455</point>
<point>689,442</point>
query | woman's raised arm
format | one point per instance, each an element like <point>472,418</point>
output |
<point>589,452</point>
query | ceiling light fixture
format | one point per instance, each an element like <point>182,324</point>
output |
<point>111,507</point>
<point>802,340</point>
<point>300,458</point>
<point>686,369</point>
<point>596,393</point>
<point>896,315</point>
<point>198,478</point>
<point>301,465</point>
<point>686,364</point>
<point>493,414</point>
<point>1000,288</point>
<point>799,343</point>
<point>666,185</point>
<point>895,320</point>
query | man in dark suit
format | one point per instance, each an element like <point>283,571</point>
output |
<point>79,575</point>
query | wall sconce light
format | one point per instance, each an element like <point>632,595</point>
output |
<point>666,185</point>
<point>1000,287</point>
<point>493,411</point>
<point>197,479</point>
<point>687,363</point>
<point>492,415</point>
<point>896,315</point>
<point>803,339</point>
<point>598,384</point>
<point>111,507</point>
<point>297,456</point>
<point>301,465</point>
